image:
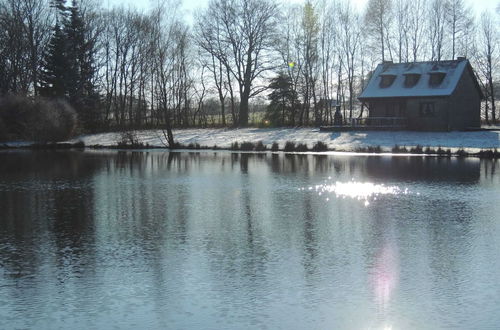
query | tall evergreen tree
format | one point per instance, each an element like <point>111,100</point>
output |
<point>282,100</point>
<point>69,68</point>
<point>53,78</point>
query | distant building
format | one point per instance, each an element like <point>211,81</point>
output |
<point>429,96</point>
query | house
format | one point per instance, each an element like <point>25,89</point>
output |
<point>428,96</point>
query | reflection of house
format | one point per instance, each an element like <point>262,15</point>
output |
<point>441,95</point>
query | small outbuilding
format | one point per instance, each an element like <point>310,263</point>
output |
<point>427,96</point>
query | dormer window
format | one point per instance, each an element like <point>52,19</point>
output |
<point>387,80</point>
<point>436,78</point>
<point>411,79</point>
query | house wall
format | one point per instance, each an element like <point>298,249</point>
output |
<point>458,111</point>
<point>465,105</point>
<point>387,108</point>
<point>422,113</point>
<point>437,119</point>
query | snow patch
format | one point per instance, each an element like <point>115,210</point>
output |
<point>344,141</point>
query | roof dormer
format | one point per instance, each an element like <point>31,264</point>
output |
<point>411,79</point>
<point>436,78</point>
<point>387,79</point>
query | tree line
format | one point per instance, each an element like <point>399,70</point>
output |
<point>238,63</point>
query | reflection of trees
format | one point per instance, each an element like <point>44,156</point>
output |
<point>489,168</point>
<point>423,169</point>
<point>47,217</point>
<point>156,220</point>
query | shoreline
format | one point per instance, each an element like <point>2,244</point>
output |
<point>396,151</point>
<point>296,140</point>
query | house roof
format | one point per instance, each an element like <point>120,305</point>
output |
<point>452,71</point>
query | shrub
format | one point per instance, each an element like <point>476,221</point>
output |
<point>399,150</point>
<point>3,131</point>
<point>486,154</point>
<point>417,149</point>
<point>289,146</point>
<point>53,120</point>
<point>260,146</point>
<point>301,147</point>
<point>129,139</point>
<point>462,153</point>
<point>247,146</point>
<point>79,144</point>
<point>39,120</point>
<point>429,151</point>
<point>319,146</point>
<point>375,149</point>
<point>275,146</point>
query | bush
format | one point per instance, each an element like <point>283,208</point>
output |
<point>320,146</point>
<point>289,146</point>
<point>129,139</point>
<point>417,150</point>
<point>247,146</point>
<point>275,146</point>
<point>302,147</point>
<point>429,151</point>
<point>39,120</point>
<point>399,150</point>
<point>462,153</point>
<point>193,146</point>
<point>260,146</point>
<point>375,149</point>
<point>3,131</point>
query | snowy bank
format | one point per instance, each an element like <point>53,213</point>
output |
<point>341,141</point>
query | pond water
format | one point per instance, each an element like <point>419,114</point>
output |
<point>157,240</point>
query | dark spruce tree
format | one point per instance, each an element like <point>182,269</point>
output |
<point>53,78</point>
<point>68,68</point>
<point>81,52</point>
<point>283,101</point>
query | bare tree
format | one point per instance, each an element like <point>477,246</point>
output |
<point>246,31</point>
<point>487,60</point>
<point>26,29</point>
<point>309,49</point>
<point>402,10</point>
<point>378,20</point>
<point>436,28</point>
<point>416,27</point>
<point>289,47</point>
<point>350,39</point>
<point>457,17</point>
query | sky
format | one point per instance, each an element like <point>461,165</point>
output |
<point>192,5</point>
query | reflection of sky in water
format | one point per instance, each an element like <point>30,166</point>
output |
<point>362,191</point>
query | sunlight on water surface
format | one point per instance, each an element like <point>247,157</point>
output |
<point>362,191</point>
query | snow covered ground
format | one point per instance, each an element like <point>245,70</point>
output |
<point>341,141</point>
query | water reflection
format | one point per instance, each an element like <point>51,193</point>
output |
<point>196,240</point>
<point>365,191</point>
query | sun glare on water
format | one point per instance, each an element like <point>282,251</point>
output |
<point>365,192</point>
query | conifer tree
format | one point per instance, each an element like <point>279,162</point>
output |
<point>53,78</point>
<point>282,100</point>
<point>68,67</point>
